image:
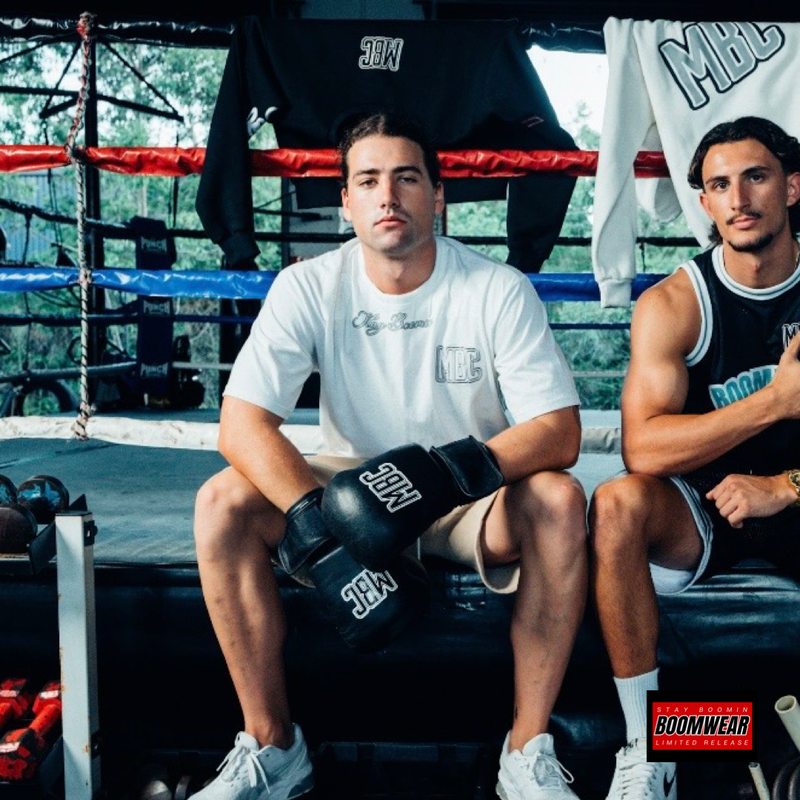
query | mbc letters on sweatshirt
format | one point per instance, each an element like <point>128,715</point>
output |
<point>669,84</point>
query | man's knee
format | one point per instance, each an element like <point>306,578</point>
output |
<point>553,505</point>
<point>618,515</point>
<point>551,496</point>
<point>229,507</point>
<point>224,494</point>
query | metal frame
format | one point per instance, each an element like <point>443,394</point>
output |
<point>75,531</point>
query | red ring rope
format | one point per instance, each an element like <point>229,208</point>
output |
<point>286,163</point>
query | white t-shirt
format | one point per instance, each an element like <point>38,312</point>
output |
<point>430,366</point>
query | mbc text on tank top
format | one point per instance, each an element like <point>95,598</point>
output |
<point>742,336</point>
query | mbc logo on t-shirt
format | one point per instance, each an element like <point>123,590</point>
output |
<point>457,365</point>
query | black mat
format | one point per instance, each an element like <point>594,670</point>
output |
<point>164,685</point>
<point>142,498</point>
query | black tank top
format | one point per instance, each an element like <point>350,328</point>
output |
<point>743,334</point>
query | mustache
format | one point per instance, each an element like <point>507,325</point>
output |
<point>748,215</point>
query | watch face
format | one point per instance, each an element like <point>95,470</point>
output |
<point>794,478</point>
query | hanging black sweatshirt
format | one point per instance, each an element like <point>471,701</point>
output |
<point>469,84</point>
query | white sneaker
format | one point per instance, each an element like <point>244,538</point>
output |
<point>635,778</point>
<point>534,773</point>
<point>250,773</point>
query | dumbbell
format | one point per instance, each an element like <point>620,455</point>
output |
<point>780,788</point>
<point>22,750</point>
<point>16,697</point>
<point>793,788</point>
<point>151,783</point>
<point>187,786</point>
<point>8,492</point>
<point>44,496</point>
<point>34,502</point>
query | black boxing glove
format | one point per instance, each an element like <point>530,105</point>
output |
<point>369,609</point>
<point>381,507</point>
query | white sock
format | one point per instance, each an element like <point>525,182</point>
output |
<point>633,697</point>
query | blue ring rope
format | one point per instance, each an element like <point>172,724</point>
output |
<point>230,284</point>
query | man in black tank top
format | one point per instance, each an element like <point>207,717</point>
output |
<point>710,420</point>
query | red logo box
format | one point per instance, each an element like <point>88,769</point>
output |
<point>701,726</point>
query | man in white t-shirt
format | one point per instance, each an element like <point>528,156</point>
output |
<point>419,342</point>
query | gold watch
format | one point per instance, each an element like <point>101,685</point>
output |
<point>793,475</point>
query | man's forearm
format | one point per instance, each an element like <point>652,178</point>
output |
<point>252,443</point>
<point>671,444</point>
<point>549,442</point>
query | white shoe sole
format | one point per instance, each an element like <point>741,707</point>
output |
<point>304,786</point>
<point>507,794</point>
<point>503,794</point>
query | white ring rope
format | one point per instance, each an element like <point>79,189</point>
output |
<point>86,27</point>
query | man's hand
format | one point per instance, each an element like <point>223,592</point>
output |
<point>739,497</point>
<point>381,507</point>
<point>786,383</point>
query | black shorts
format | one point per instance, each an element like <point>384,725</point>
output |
<point>775,539</point>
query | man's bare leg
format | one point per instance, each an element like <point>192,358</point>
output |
<point>635,519</point>
<point>542,521</point>
<point>234,527</point>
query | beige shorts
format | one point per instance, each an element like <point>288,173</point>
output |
<point>455,536</point>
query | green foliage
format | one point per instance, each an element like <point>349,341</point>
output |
<point>189,79</point>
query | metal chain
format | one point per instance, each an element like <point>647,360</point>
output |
<point>86,27</point>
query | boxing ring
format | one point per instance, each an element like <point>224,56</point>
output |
<point>163,686</point>
<point>158,656</point>
<point>372,719</point>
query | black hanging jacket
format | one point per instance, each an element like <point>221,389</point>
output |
<point>469,84</point>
